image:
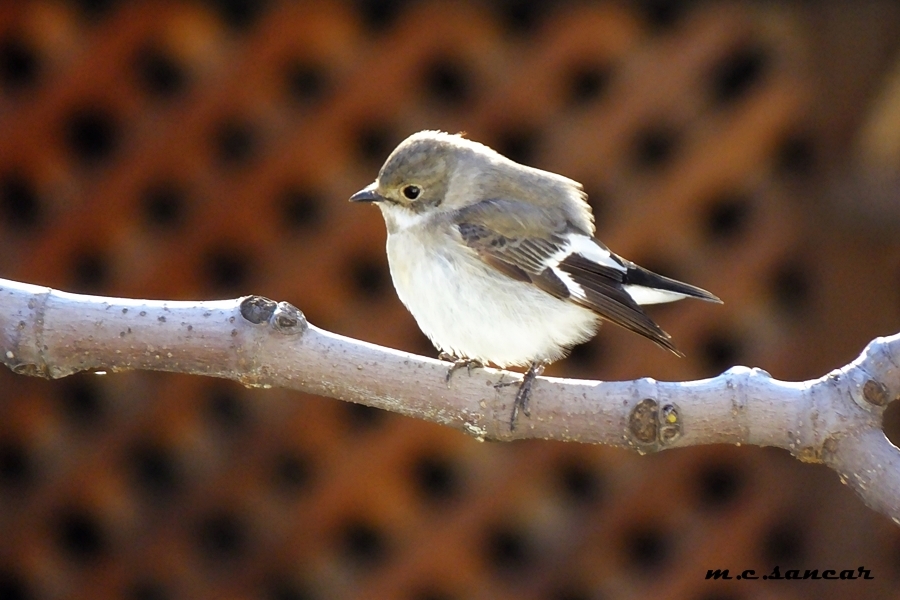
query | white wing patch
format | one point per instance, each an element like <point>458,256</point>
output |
<point>577,243</point>
<point>645,295</point>
<point>575,290</point>
<point>586,247</point>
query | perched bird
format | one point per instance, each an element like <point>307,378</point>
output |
<point>497,261</point>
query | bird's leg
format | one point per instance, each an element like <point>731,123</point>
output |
<point>524,393</point>
<point>459,363</point>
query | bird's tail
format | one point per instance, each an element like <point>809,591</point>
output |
<point>647,287</point>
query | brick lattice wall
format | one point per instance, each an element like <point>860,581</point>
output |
<point>200,150</point>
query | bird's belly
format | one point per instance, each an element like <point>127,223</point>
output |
<point>471,310</point>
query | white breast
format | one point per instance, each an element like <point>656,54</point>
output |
<point>470,310</point>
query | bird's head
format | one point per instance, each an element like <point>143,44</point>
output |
<point>416,177</point>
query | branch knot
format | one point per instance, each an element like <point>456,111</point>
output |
<point>289,319</point>
<point>283,316</point>
<point>257,309</point>
<point>652,427</point>
<point>876,393</point>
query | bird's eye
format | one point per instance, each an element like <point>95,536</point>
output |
<point>412,191</point>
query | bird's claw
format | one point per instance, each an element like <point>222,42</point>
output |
<point>524,393</point>
<point>503,384</point>
<point>459,363</point>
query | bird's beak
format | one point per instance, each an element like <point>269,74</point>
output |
<point>368,194</point>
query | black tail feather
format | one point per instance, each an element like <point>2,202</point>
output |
<point>637,275</point>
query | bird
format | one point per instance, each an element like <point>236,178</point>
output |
<point>498,263</point>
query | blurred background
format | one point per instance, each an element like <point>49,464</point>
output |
<point>200,150</point>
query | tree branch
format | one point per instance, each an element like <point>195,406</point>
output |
<point>836,420</point>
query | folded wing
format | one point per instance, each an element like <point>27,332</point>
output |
<point>538,247</point>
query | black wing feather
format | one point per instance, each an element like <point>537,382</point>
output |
<point>605,295</point>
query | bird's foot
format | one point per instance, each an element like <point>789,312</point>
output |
<point>459,363</point>
<point>524,393</point>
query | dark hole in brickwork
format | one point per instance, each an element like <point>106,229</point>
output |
<point>80,535</point>
<point>158,73</point>
<point>16,466</point>
<point>227,408</point>
<point>737,73</point>
<point>586,83</point>
<point>720,350</point>
<point>379,15</point>
<point>783,543</point>
<point>718,485</point>
<point>647,548</point>
<point>579,483</point>
<point>20,63</point>
<point>655,146</point>
<point>83,401</point>
<point>147,589</point>
<point>227,269</point>
<point>791,286</point>
<point>728,217</point>
<point>369,277</point>
<point>164,204</point>
<point>436,477</point>
<point>13,586</point>
<point>222,536</point>
<point>374,143</point>
<point>155,469</point>
<point>19,202</point>
<point>240,15</point>
<point>236,142</point>
<point>361,417</point>
<point>306,82</point>
<point>292,471</point>
<point>91,134</point>
<point>507,549</point>
<point>447,82</point>
<point>519,144</point>
<point>301,208</point>
<point>796,155</point>
<point>363,543</point>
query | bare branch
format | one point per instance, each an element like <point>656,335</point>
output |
<point>835,420</point>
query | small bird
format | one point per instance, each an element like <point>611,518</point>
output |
<point>497,261</point>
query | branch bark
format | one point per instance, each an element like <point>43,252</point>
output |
<point>835,420</point>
